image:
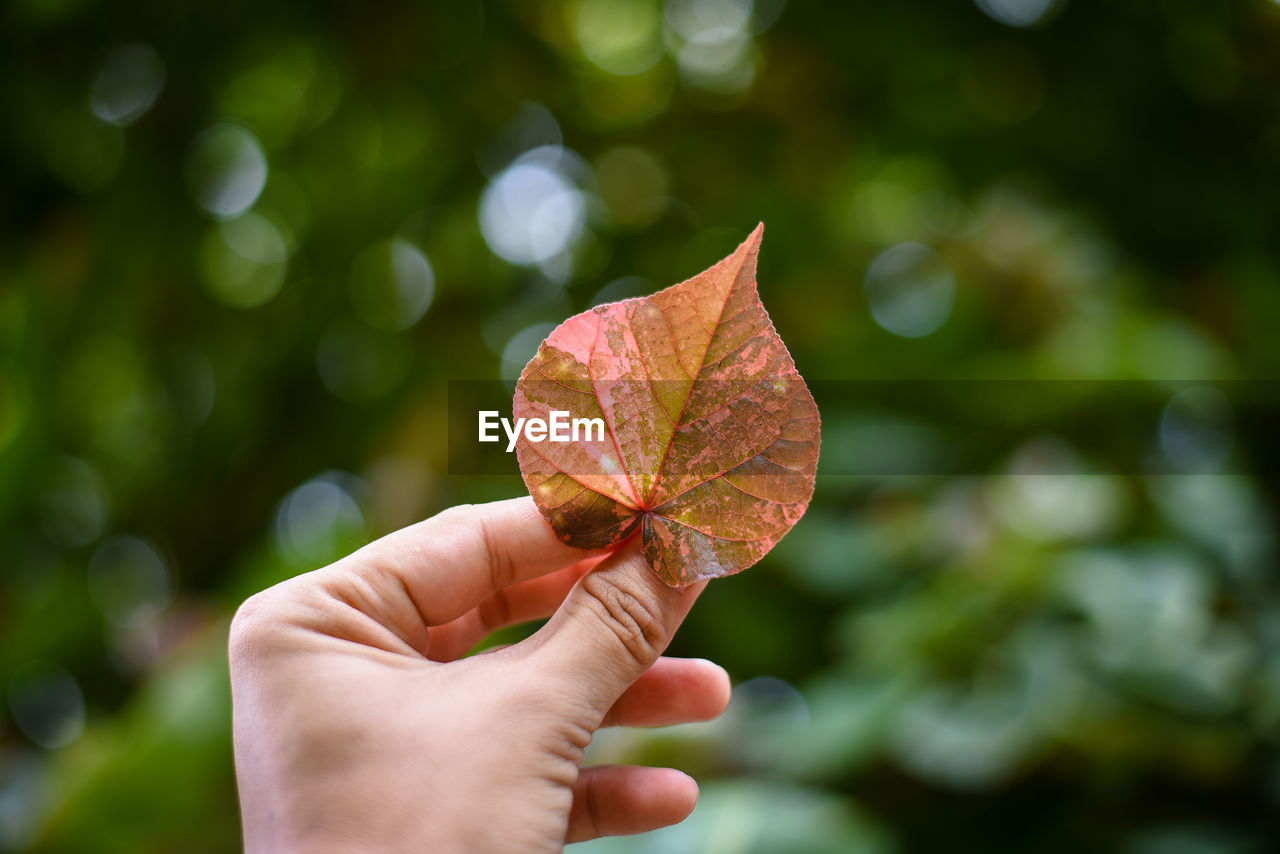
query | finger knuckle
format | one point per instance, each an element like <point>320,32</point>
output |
<point>456,513</point>
<point>497,611</point>
<point>253,627</point>
<point>475,519</point>
<point>636,620</point>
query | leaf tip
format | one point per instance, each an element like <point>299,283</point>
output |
<point>749,250</point>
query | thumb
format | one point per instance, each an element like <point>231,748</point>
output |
<point>612,627</point>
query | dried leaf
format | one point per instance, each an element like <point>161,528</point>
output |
<point>711,436</point>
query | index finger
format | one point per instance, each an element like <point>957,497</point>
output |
<point>451,562</point>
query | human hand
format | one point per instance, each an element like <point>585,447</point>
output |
<point>358,726</point>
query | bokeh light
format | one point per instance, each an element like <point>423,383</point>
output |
<point>713,43</point>
<point>1019,13</point>
<point>633,184</point>
<point>23,787</point>
<point>1197,430</point>
<point>1168,348</point>
<point>532,127</point>
<point>627,103</point>
<point>532,211</point>
<point>106,389</point>
<point>285,203</point>
<point>392,283</point>
<point>359,364</point>
<point>75,502</point>
<point>129,581</point>
<point>910,290</point>
<point>226,170</point>
<point>626,287</point>
<point>1048,495</point>
<point>620,36</point>
<point>243,262</point>
<point>522,347</point>
<point>692,18</point>
<point>47,704</point>
<point>128,84</point>
<point>282,87</point>
<point>320,520</point>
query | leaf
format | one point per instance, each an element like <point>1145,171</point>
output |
<point>711,436</point>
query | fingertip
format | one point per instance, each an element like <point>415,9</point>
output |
<point>720,687</point>
<point>688,791</point>
<point>679,795</point>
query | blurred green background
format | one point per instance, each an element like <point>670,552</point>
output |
<point>245,246</point>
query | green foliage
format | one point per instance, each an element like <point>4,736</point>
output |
<point>245,246</point>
